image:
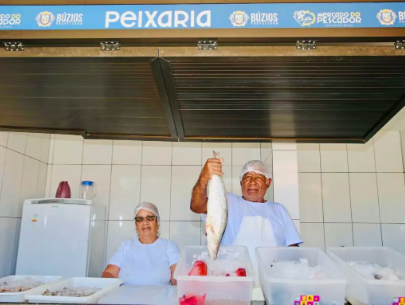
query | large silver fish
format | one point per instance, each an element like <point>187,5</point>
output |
<point>217,213</point>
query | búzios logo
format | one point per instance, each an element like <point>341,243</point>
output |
<point>386,17</point>
<point>304,18</point>
<point>401,16</point>
<point>239,18</point>
<point>264,18</point>
<point>45,19</point>
<point>69,19</point>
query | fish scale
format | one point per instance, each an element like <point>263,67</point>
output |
<point>217,213</point>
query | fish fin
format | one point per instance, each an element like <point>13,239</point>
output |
<point>215,155</point>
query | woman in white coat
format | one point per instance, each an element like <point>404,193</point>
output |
<point>148,259</point>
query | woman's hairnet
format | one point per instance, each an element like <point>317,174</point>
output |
<point>148,207</point>
<point>255,166</point>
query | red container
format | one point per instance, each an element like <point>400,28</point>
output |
<point>63,190</point>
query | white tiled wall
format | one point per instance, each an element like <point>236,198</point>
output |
<point>353,194</point>
<point>164,173</point>
<point>347,194</point>
<point>23,174</point>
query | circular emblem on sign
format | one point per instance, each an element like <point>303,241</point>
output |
<point>239,18</point>
<point>386,17</point>
<point>45,19</point>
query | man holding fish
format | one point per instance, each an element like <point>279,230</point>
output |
<point>247,220</point>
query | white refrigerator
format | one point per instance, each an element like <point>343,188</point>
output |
<point>62,237</point>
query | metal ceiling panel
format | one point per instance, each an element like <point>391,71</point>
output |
<point>306,98</point>
<point>101,97</point>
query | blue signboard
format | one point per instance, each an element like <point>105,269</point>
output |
<point>203,16</point>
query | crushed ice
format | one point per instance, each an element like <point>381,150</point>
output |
<point>376,272</point>
<point>73,292</point>
<point>22,285</point>
<point>296,270</point>
<point>227,262</point>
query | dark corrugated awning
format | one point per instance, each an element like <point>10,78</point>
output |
<point>255,95</point>
<point>285,97</point>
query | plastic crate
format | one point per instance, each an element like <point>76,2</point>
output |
<point>217,289</point>
<point>363,290</point>
<point>105,285</point>
<point>18,297</point>
<point>330,291</point>
<point>151,295</point>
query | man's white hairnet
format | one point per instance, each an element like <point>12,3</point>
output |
<point>148,207</point>
<point>255,166</point>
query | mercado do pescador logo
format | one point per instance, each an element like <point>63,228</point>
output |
<point>9,20</point>
<point>155,19</point>
<point>307,18</point>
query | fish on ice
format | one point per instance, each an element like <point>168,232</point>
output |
<point>217,213</point>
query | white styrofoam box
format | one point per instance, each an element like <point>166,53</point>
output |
<point>331,291</point>
<point>11,187</point>
<point>365,291</point>
<point>388,156</point>
<point>313,235</point>
<point>97,151</point>
<point>336,197</point>
<point>151,295</point>
<point>391,194</point>
<point>67,149</point>
<point>188,153</point>
<point>334,158</point>
<point>156,153</point>
<point>127,152</point>
<point>17,141</point>
<point>105,284</point>
<point>364,197</point>
<point>361,157</point>
<point>309,159</point>
<point>217,288</point>
<point>310,191</point>
<point>19,297</point>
